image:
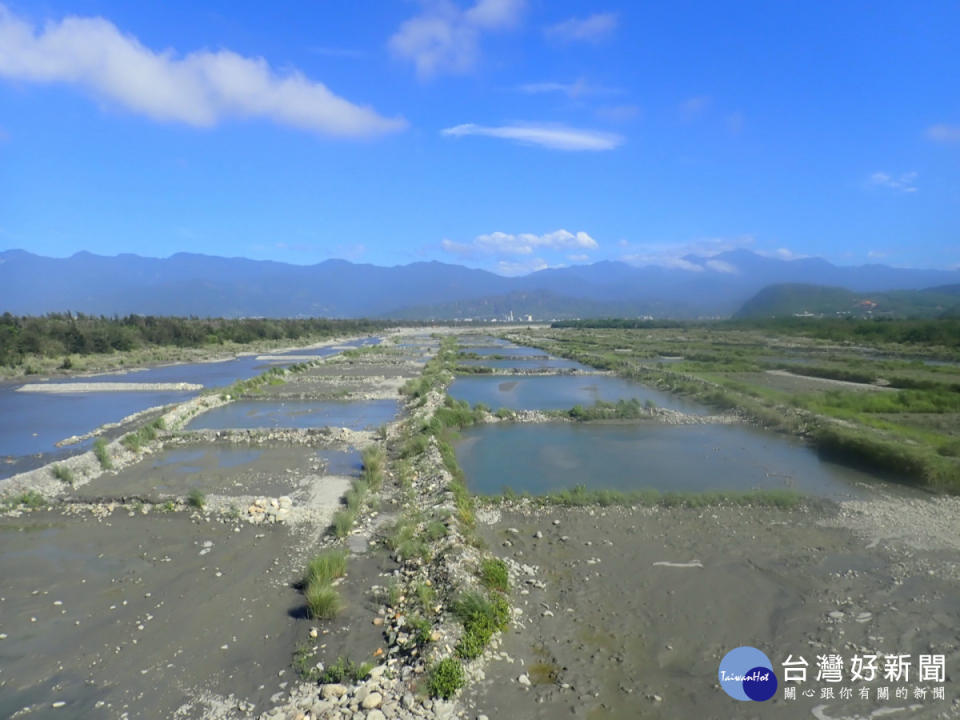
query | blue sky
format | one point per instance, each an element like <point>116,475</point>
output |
<point>505,134</point>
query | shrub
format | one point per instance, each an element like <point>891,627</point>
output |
<point>445,678</point>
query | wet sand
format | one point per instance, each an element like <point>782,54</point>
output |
<point>616,633</point>
<point>141,615</point>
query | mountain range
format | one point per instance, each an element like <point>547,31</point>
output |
<point>203,285</point>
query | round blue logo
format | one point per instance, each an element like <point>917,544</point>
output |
<point>747,674</point>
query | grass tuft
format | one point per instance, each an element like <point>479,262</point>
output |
<point>63,474</point>
<point>103,455</point>
<point>323,601</point>
<point>326,567</point>
<point>445,678</point>
<point>196,499</point>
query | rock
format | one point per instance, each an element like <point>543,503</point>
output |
<point>373,700</point>
<point>524,680</point>
<point>321,709</point>
<point>556,522</point>
<point>313,633</point>
<point>657,698</point>
<point>333,691</point>
<point>538,534</point>
<point>836,615</point>
<point>409,701</point>
<point>376,715</point>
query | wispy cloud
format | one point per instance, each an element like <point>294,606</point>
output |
<point>444,38</point>
<point>694,256</point>
<point>905,182</point>
<point>555,137</point>
<point>501,243</point>
<point>522,267</point>
<point>200,88</point>
<point>574,90</point>
<point>594,28</point>
<point>782,254</point>
<point>693,106</point>
<point>619,113</point>
<point>337,52</point>
<point>944,133</point>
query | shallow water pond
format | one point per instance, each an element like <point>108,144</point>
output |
<point>222,470</point>
<point>525,363</point>
<point>245,414</point>
<point>515,350</point>
<point>541,458</point>
<point>560,392</point>
<point>35,422</point>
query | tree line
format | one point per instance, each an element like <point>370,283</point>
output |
<point>941,331</point>
<point>63,334</point>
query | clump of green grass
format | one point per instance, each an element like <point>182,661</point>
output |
<point>421,631</point>
<point>103,455</point>
<point>426,595</point>
<point>134,441</point>
<point>344,670</point>
<point>481,617</point>
<point>196,499</point>
<point>326,567</point>
<point>343,520</point>
<point>373,464</point>
<point>63,474</point>
<point>323,601</point>
<point>30,499</point>
<point>304,663</point>
<point>445,678</point>
<point>493,574</point>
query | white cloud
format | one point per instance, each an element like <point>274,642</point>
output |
<point>501,243</point>
<point>573,90</point>
<point>686,255</point>
<point>446,38</point>
<point>594,28</point>
<point>555,137</point>
<point>905,182</point>
<point>944,133</point>
<point>721,266</point>
<point>199,89</point>
<point>512,267</point>
<point>675,263</point>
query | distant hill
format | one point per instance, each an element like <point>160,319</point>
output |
<point>788,299</point>
<point>191,284</point>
